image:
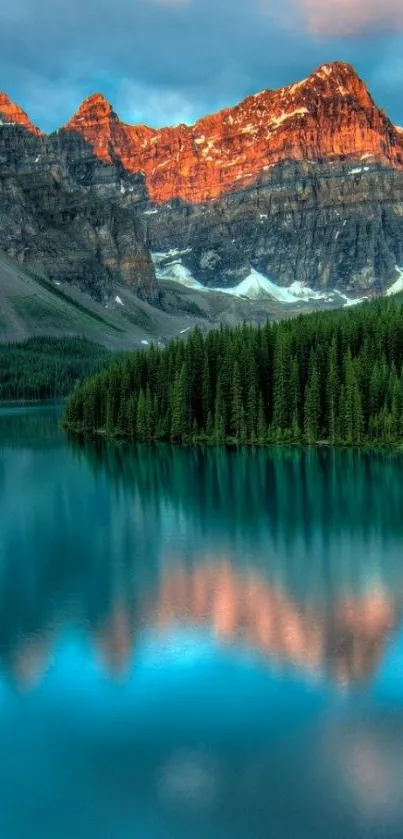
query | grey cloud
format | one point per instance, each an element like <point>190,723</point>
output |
<point>151,57</point>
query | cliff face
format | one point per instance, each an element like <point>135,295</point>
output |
<point>326,226</point>
<point>60,213</point>
<point>302,184</point>
<point>328,116</point>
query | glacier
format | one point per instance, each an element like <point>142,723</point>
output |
<point>255,286</point>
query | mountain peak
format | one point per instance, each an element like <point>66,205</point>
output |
<point>339,77</point>
<point>12,114</point>
<point>335,68</point>
<point>94,107</point>
<point>96,120</point>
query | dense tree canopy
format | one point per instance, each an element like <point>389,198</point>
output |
<point>331,376</point>
<point>45,368</point>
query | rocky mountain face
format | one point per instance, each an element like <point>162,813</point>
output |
<point>302,187</point>
<point>11,114</point>
<point>326,227</point>
<point>60,212</point>
<point>328,117</point>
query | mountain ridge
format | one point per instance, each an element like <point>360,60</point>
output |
<point>330,115</point>
<point>301,187</point>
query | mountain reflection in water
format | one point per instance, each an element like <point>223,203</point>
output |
<point>201,644</point>
<point>237,607</point>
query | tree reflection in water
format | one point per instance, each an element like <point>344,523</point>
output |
<point>199,640</point>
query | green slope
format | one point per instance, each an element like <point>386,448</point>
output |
<point>32,306</point>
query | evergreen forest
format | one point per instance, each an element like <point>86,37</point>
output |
<point>46,368</point>
<point>334,377</point>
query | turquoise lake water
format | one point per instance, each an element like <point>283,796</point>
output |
<point>198,643</point>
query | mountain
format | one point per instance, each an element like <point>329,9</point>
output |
<point>60,212</point>
<point>290,200</point>
<point>329,116</point>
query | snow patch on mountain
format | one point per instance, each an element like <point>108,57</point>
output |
<point>397,285</point>
<point>303,292</point>
<point>350,301</point>
<point>255,286</point>
<point>275,122</point>
<point>176,272</point>
<point>358,170</point>
<point>162,256</point>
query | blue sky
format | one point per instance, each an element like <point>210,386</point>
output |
<point>166,61</point>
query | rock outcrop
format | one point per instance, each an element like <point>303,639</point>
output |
<point>60,214</point>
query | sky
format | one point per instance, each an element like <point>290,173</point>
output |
<point>162,62</point>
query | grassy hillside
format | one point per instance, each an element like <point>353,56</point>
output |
<point>32,306</point>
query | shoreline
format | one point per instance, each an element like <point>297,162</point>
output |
<point>57,400</point>
<point>230,444</point>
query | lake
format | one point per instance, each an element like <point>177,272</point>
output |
<point>198,644</point>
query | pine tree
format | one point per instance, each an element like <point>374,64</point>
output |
<point>353,405</point>
<point>282,369</point>
<point>295,393</point>
<point>149,415</point>
<point>112,403</point>
<point>237,406</point>
<point>219,427</point>
<point>341,420</point>
<point>210,426</point>
<point>225,373</point>
<point>332,391</point>
<point>90,404</point>
<point>131,416</point>
<point>261,422</point>
<point>357,415</point>
<point>243,431</point>
<point>312,403</point>
<point>180,415</point>
<point>141,422</point>
<point>252,412</point>
<point>206,391</point>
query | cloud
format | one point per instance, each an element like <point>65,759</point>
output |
<point>163,61</point>
<point>137,103</point>
<point>335,18</point>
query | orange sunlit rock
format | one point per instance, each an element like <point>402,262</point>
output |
<point>328,116</point>
<point>14,115</point>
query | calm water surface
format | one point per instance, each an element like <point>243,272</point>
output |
<point>198,644</point>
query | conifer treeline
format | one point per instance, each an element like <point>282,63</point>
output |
<point>331,376</point>
<point>45,368</point>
